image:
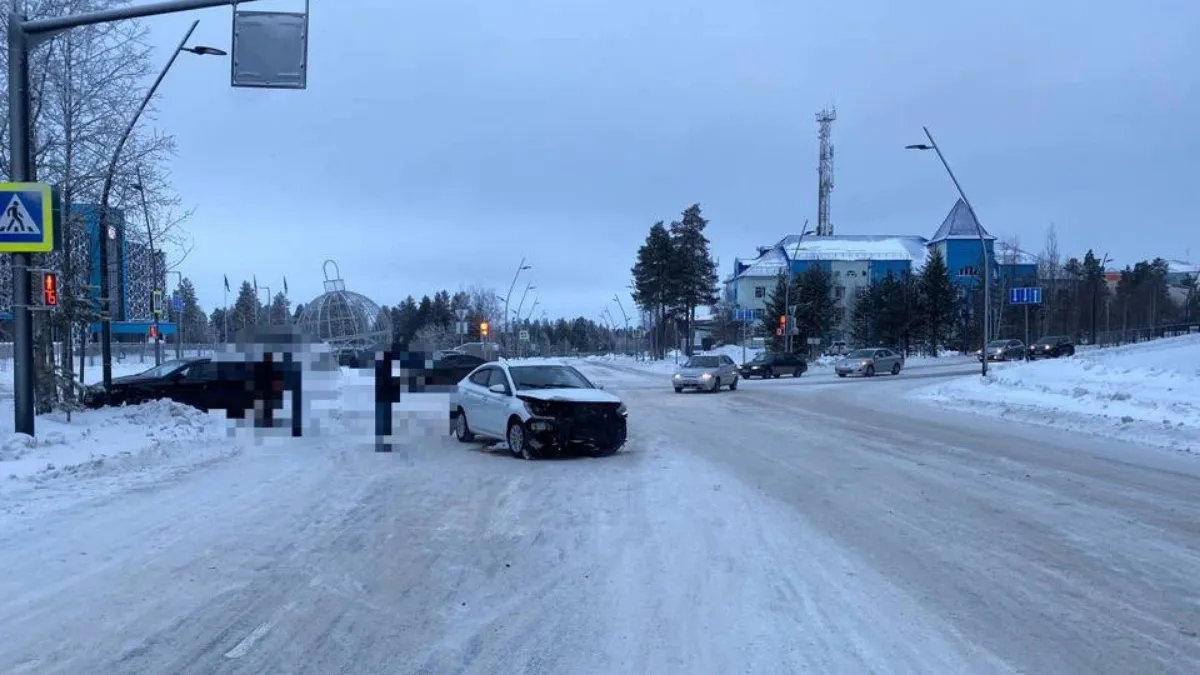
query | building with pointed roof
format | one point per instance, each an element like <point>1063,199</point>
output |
<point>856,261</point>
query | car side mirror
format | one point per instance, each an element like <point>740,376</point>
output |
<point>599,386</point>
<point>498,389</point>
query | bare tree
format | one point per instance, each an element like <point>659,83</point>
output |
<point>85,83</point>
<point>1049,272</point>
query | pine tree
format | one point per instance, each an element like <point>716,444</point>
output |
<point>864,316</point>
<point>694,271</point>
<point>280,309</point>
<point>816,308</point>
<point>937,299</point>
<point>653,283</point>
<point>193,324</point>
<point>776,307</point>
<point>245,312</point>
<point>216,325</point>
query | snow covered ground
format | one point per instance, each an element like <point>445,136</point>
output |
<point>809,525</point>
<point>1148,392</point>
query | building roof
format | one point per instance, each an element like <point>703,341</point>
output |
<point>959,224</point>
<point>839,247</point>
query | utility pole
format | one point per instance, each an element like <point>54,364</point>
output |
<point>825,120</point>
<point>987,261</point>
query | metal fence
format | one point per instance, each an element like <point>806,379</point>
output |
<point>1113,338</point>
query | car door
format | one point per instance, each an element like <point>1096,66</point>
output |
<point>190,384</point>
<point>882,360</point>
<point>471,398</point>
<point>496,404</point>
<point>729,371</point>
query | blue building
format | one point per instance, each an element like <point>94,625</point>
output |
<point>856,261</point>
<point>131,283</point>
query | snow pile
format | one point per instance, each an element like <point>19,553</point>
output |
<point>1148,392</point>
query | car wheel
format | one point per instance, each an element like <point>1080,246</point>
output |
<point>895,368</point>
<point>733,385</point>
<point>606,450</point>
<point>770,374</point>
<point>518,444</point>
<point>462,431</point>
<point>716,386</point>
<point>797,372</point>
<point>841,374</point>
<point>870,371</point>
<point>678,390</point>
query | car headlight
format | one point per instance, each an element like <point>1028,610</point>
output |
<point>677,376</point>
<point>706,376</point>
<point>622,410</point>
<point>864,364</point>
<point>537,408</point>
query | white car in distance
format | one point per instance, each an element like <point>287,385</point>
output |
<point>537,407</point>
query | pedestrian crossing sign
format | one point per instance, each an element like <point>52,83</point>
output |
<point>26,218</point>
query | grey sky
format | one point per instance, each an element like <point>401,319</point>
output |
<point>438,142</point>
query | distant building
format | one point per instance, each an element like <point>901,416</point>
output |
<point>131,282</point>
<point>856,261</point>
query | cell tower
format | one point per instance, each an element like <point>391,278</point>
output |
<point>825,120</point>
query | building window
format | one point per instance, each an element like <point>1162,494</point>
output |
<point>837,274</point>
<point>839,292</point>
<point>760,291</point>
<point>851,273</point>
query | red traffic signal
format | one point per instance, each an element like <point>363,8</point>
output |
<point>50,289</point>
<point>483,328</point>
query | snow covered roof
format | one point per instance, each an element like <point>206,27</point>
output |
<point>857,247</point>
<point>959,224</point>
<point>769,264</point>
<point>1182,267</point>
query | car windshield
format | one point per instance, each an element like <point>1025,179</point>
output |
<point>861,354</point>
<point>996,344</point>
<point>702,362</point>
<point>761,358</point>
<point>548,377</point>
<point>163,370</point>
<point>1052,340</point>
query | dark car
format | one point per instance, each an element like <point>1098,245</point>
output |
<point>1003,350</point>
<point>201,383</point>
<point>768,364</point>
<point>449,368</point>
<point>1054,347</point>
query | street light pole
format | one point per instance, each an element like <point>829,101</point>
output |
<point>508,295</point>
<point>528,287</point>
<point>154,271</point>
<point>105,235</point>
<point>987,263</point>
<point>621,306</point>
<point>1096,297</point>
<point>178,319</point>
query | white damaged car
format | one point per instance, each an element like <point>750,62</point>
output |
<point>538,407</point>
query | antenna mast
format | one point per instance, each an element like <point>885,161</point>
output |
<point>825,120</point>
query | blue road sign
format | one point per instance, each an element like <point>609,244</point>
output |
<point>1030,295</point>
<point>176,303</point>
<point>26,218</point>
<point>743,314</point>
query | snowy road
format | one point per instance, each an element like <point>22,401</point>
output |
<point>813,525</point>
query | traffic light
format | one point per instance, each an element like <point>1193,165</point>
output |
<point>483,329</point>
<point>50,289</point>
<point>154,332</point>
<point>156,304</point>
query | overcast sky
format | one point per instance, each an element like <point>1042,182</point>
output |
<point>439,141</point>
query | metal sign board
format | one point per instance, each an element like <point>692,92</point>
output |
<point>27,219</point>
<point>269,50</point>
<point>461,314</point>
<point>523,336</point>
<point>1031,295</point>
<point>743,315</point>
<point>462,328</point>
<point>814,341</point>
<point>176,303</point>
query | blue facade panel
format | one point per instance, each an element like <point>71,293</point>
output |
<point>881,268</point>
<point>799,266</point>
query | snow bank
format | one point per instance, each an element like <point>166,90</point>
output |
<point>1147,392</point>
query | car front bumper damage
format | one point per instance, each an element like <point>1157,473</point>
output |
<point>594,429</point>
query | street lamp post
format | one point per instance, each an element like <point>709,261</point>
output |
<point>1096,297</point>
<point>528,287</point>
<point>105,235</point>
<point>179,318</point>
<point>508,295</point>
<point>154,270</point>
<point>22,36</point>
<point>987,263</point>
<point>625,316</point>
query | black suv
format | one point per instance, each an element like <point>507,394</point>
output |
<point>773,365</point>
<point>1052,347</point>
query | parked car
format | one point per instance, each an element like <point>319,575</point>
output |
<point>707,373</point>
<point>1003,350</point>
<point>868,362</point>
<point>768,364</point>
<point>200,383</point>
<point>450,367</point>
<point>536,408</point>
<point>1054,346</point>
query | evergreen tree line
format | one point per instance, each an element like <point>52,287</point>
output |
<point>673,276</point>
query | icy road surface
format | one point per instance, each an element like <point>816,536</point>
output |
<point>794,526</point>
